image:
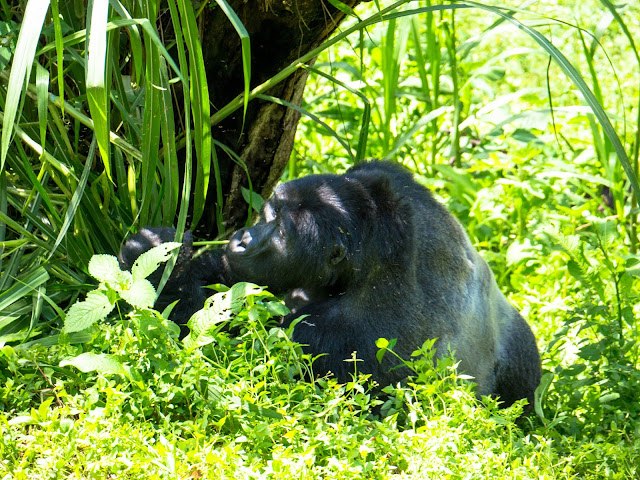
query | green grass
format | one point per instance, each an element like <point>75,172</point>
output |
<point>511,142</point>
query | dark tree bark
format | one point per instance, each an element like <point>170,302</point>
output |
<point>280,31</point>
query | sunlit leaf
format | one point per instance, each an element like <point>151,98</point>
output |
<point>32,21</point>
<point>95,362</point>
<point>149,261</point>
<point>96,78</point>
<point>104,268</point>
<point>140,294</point>
<point>85,313</point>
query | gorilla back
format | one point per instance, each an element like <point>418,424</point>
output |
<point>365,255</point>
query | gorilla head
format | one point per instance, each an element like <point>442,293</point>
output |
<point>310,235</point>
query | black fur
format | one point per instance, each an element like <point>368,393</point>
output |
<point>365,255</point>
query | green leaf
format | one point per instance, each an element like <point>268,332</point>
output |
<point>57,26</point>
<point>607,232</point>
<point>245,43</point>
<point>95,362</point>
<point>140,294</point>
<point>366,113</point>
<point>42,88</point>
<point>344,8</point>
<point>104,268</point>
<point>22,287</point>
<point>34,16</point>
<point>200,108</point>
<point>315,118</point>
<point>524,136</point>
<point>541,391</point>
<point>234,299</point>
<point>149,261</point>
<point>204,325</point>
<point>277,309</point>
<point>384,345</point>
<point>518,251</point>
<point>253,199</point>
<point>261,411</point>
<point>77,197</point>
<point>83,314</point>
<point>577,79</point>
<point>96,78</point>
<point>219,308</point>
<point>22,420</point>
<point>609,397</point>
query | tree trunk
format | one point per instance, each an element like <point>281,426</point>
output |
<point>280,32</point>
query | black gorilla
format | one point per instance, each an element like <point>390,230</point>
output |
<point>365,255</point>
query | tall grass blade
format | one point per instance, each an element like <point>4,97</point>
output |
<point>199,93</point>
<point>3,211</point>
<point>171,181</point>
<point>96,78</point>
<point>314,117</point>
<point>407,135</point>
<point>23,287</point>
<point>42,87</point>
<point>147,27</point>
<point>153,111</point>
<point>366,112</point>
<point>33,19</point>
<point>245,42</point>
<point>392,58</point>
<point>134,39</point>
<point>377,17</point>
<point>76,199</point>
<point>635,155</point>
<point>57,28</point>
<point>186,184</point>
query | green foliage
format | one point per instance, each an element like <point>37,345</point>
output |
<point>242,410</point>
<point>132,287</point>
<point>596,383</point>
<point>71,185</point>
<point>528,153</point>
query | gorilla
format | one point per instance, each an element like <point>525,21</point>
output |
<point>365,255</point>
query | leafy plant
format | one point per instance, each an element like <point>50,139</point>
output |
<point>596,383</point>
<point>133,287</point>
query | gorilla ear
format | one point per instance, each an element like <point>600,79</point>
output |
<point>338,254</point>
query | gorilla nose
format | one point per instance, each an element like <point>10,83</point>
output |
<point>246,238</point>
<point>240,241</point>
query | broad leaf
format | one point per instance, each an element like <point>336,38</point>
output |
<point>141,294</point>
<point>92,362</point>
<point>149,261</point>
<point>104,268</point>
<point>204,325</point>
<point>83,314</point>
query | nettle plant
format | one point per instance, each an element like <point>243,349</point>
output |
<point>116,284</point>
<point>132,287</point>
<point>243,302</point>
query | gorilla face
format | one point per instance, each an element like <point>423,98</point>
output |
<point>283,249</point>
